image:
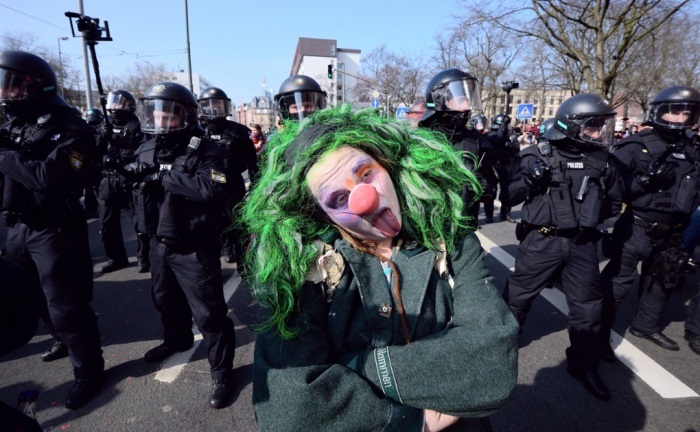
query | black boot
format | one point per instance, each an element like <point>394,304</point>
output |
<point>221,391</point>
<point>112,265</point>
<point>587,376</point>
<point>59,350</point>
<point>82,391</point>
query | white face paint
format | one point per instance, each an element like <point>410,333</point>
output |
<point>356,193</point>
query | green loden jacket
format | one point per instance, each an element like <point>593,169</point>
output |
<point>350,368</point>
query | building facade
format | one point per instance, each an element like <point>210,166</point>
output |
<point>314,57</point>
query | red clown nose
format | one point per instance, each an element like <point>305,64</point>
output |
<point>364,199</point>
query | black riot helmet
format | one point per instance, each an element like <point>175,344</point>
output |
<point>26,79</point>
<point>214,104</point>
<point>451,91</point>
<point>167,107</point>
<point>121,105</point>
<point>299,96</point>
<point>546,125</point>
<point>497,122</point>
<point>675,109</point>
<point>586,119</point>
<point>94,117</point>
<point>478,122</point>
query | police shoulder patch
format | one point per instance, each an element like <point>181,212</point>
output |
<point>217,176</point>
<point>76,161</point>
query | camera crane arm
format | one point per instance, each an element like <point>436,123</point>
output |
<point>92,34</point>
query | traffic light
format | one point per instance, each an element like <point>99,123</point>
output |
<point>330,71</point>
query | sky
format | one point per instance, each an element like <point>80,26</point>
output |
<point>233,44</point>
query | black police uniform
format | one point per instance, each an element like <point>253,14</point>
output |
<point>234,138</point>
<point>503,155</point>
<point>558,234</point>
<point>651,228</point>
<point>117,149</point>
<point>43,160</point>
<point>182,213</point>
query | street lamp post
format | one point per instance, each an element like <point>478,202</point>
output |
<point>60,62</point>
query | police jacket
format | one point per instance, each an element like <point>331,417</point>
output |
<point>240,154</point>
<point>350,368</point>
<point>583,187</point>
<point>186,205</point>
<point>43,160</point>
<point>675,199</point>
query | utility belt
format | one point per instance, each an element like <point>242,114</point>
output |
<point>657,230</point>
<point>169,241</point>
<point>109,173</point>
<point>523,229</point>
<point>32,219</point>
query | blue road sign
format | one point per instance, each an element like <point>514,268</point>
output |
<point>524,111</point>
<point>401,113</point>
<point>375,103</point>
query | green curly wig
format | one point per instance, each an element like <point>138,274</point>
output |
<point>283,219</point>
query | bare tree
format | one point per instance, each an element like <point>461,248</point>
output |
<point>399,78</point>
<point>481,48</point>
<point>595,35</point>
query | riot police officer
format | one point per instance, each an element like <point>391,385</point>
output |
<point>504,151</point>
<point>234,138</point>
<point>661,169</point>
<point>117,143</point>
<point>44,152</point>
<point>450,96</point>
<point>568,187</point>
<point>180,178</point>
<point>299,96</point>
<point>94,118</point>
<point>487,168</point>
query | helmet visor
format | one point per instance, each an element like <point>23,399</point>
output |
<point>461,95</point>
<point>677,115</point>
<point>13,86</point>
<point>598,130</point>
<point>214,108</point>
<point>161,116</point>
<point>116,101</point>
<point>299,105</point>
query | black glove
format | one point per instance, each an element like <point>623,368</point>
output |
<point>539,174</point>
<point>106,131</point>
<point>150,180</point>
<point>658,176</point>
<point>141,169</point>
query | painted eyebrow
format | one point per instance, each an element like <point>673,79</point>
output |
<point>360,164</point>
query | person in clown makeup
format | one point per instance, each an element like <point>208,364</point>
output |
<point>381,313</point>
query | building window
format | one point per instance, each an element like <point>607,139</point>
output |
<point>551,112</point>
<point>534,111</point>
<point>520,100</point>
<point>333,50</point>
<point>503,99</point>
<point>551,100</point>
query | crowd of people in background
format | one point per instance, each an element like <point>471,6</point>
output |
<point>347,202</point>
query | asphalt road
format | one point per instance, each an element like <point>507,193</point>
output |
<point>173,396</point>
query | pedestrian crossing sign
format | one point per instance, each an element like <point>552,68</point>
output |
<point>524,111</point>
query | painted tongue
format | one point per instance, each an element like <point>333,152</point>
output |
<point>386,223</point>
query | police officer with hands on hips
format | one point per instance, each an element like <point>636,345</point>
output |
<point>568,185</point>
<point>450,96</point>
<point>45,150</point>
<point>117,143</point>
<point>234,138</point>
<point>180,177</point>
<point>661,170</point>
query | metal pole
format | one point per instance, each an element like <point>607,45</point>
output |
<point>60,63</point>
<point>86,64</point>
<point>189,57</point>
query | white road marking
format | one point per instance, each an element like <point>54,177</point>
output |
<point>658,378</point>
<point>174,365</point>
